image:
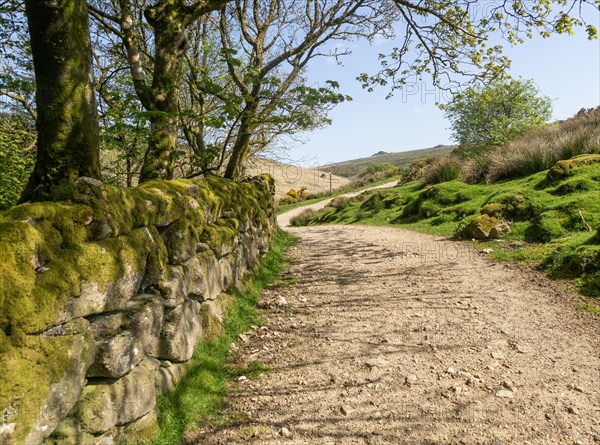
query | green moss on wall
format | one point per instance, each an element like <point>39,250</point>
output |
<point>29,365</point>
<point>97,234</point>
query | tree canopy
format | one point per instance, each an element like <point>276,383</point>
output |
<point>453,40</point>
<point>196,87</point>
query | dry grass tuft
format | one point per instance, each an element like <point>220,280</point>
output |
<point>539,150</point>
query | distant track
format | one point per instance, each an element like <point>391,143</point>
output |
<point>284,219</point>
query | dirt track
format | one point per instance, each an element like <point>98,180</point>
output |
<point>394,337</point>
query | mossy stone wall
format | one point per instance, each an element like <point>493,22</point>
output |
<point>105,294</point>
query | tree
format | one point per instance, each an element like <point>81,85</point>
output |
<point>484,117</point>
<point>169,21</point>
<point>209,103</point>
<point>268,45</point>
<point>17,82</point>
<point>123,127</point>
<point>67,122</point>
<point>449,40</point>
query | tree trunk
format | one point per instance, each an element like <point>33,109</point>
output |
<point>241,148</point>
<point>67,120</point>
<point>159,159</point>
<point>170,40</point>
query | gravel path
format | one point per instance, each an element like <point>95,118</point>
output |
<point>385,336</point>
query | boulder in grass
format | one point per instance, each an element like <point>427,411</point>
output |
<point>564,168</point>
<point>486,227</point>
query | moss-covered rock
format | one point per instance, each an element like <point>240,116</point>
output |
<point>204,277</point>
<point>106,274</point>
<point>104,405</point>
<point>181,240</point>
<point>574,186</point>
<point>41,378</point>
<point>212,315</point>
<point>480,227</point>
<point>173,285</point>
<point>181,331</point>
<point>494,209</point>
<point>564,168</point>
<point>222,240</point>
<point>515,206</point>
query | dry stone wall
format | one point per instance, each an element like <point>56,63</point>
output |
<point>105,294</point>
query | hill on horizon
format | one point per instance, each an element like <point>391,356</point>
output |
<point>353,167</point>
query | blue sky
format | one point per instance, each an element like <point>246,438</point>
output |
<point>565,68</point>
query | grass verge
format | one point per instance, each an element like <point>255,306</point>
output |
<point>201,393</point>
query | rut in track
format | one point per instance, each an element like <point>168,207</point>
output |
<point>394,337</point>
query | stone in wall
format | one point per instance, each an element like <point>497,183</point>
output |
<point>115,276</point>
<point>103,406</point>
<point>213,316</point>
<point>181,239</point>
<point>173,285</point>
<point>64,394</point>
<point>205,281</point>
<point>168,375</point>
<point>181,331</point>
<point>124,338</point>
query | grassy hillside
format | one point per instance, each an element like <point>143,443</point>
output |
<point>401,159</point>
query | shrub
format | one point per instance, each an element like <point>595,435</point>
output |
<point>376,168</point>
<point>293,196</point>
<point>486,116</point>
<point>417,170</point>
<point>374,203</point>
<point>366,178</point>
<point>475,170</point>
<point>17,157</point>
<point>303,218</point>
<point>444,169</point>
<point>339,203</point>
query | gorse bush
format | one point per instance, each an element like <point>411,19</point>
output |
<point>444,169</point>
<point>293,196</point>
<point>417,170</point>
